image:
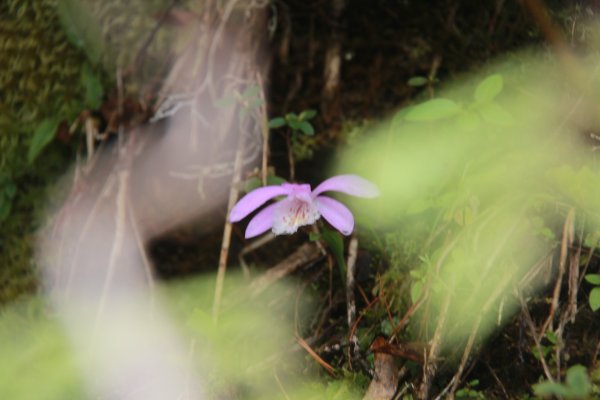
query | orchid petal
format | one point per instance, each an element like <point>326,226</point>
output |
<point>255,199</point>
<point>337,214</point>
<point>349,184</point>
<point>262,222</point>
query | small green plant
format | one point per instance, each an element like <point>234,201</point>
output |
<point>484,107</point>
<point>577,385</point>
<point>470,391</point>
<point>594,299</point>
<point>298,125</point>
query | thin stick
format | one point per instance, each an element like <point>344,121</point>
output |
<point>314,355</point>
<point>567,239</point>
<point>353,350</point>
<point>430,364</point>
<point>233,196</point>
<point>536,339</point>
<point>265,130</point>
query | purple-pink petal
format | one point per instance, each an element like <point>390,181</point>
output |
<point>349,184</point>
<point>262,222</point>
<point>336,214</point>
<point>255,199</point>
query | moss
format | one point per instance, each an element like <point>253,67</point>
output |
<point>39,78</point>
<point>39,75</point>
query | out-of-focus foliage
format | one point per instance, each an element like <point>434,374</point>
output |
<point>577,385</point>
<point>594,299</point>
<point>36,362</point>
<point>249,354</point>
<point>479,179</point>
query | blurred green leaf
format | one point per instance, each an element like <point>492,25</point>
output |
<point>594,279</point>
<point>275,180</point>
<point>433,110</point>
<point>294,124</point>
<point>307,114</point>
<point>251,184</point>
<point>43,135</point>
<point>417,81</point>
<point>595,298</point>
<point>489,88</point>
<point>551,336</point>
<point>307,128</point>
<point>276,123</point>
<point>493,113</point>
<point>578,382</point>
<point>82,29</point>
<point>93,87</point>
<point>550,389</point>
<point>577,385</point>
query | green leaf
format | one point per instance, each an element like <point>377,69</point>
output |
<point>417,81</point>
<point>307,114</point>
<point>291,117</point>
<point>336,245</point>
<point>578,382</point>
<point>307,128</point>
<point>276,123</point>
<point>594,279</point>
<point>43,135</point>
<point>433,110</point>
<point>550,389</point>
<point>577,385</point>
<point>493,113</point>
<point>489,88</point>
<point>251,184</point>
<point>93,87</point>
<point>595,298</point>
<point>82,29</point>
<point>313,236</point>
<point>551,336</point>
<point>275,180</point>
<point>294,123</point>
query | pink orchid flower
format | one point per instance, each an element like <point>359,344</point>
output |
<point>301,206</point>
